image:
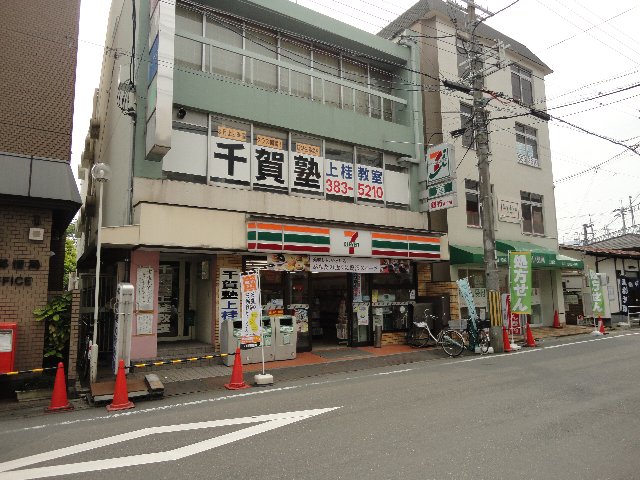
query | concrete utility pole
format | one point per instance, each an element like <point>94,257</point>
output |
<point>481,136</point>
<point>622,211</point>
<point>633,220</point>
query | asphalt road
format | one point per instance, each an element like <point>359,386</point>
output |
<point>567,410</point>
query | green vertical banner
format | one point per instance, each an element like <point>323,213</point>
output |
<point>520,282</point>
<point>597,300</point>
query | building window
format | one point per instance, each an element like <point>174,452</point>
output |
<point>466,121</point>
<point>527,145</point>
<point>472,194</point>
<point>521,86</point>
<point>188,53</point>
<point>532,218</point>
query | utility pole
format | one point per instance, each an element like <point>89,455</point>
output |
<point>622,211</point>
<point>481,136</point>
<point>633,220</point>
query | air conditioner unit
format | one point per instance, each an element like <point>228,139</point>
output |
<point>36,234</point>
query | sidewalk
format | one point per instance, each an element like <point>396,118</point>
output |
<point>188,379</point>
<point>184,379</point>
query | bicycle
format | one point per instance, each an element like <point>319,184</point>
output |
<point>84,360</point>
<point>451,341</point>
<point>478,335</point>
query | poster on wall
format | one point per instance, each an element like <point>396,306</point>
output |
<point>629,294</point>
<point>144,289</point>
<point>520,282</point>
<point>301,315</point>
<point>285,262</point>
<point>229,299</point>
<point>251,310</point>
<point>362,313</point>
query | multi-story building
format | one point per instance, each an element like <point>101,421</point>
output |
<point>38,194</point>
<point>258,134</point>
<point>521,173</point>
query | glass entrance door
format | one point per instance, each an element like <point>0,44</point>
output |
<point>173,296</point>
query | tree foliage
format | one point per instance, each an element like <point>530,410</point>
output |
<point>57,317</point>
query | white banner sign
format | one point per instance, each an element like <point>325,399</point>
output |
<point>370,183</point>
<point>345,264</point>
<point>447,201</point>
<point>508,210</point>
<point>229,299</point>
<point>339,178</point>
<point>229,161</point>
<point>251,310</point>
<point>270,167</point>
<point>306,173</point>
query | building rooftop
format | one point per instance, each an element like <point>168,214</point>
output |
<point>604,252</point>
<point>423,7</point>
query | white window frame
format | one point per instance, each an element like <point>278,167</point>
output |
<point>472,191</point>
<point>523,74</point>
<point>529,136</point>
<point>527,204</point>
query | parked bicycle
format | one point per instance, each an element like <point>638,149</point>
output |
<point>478,335</point>
<point>84,359</point>
<point>420,335</point>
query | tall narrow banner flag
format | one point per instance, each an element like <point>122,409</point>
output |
<point>465,292</point>
<point>251,310</point>
<point>520,282</point>
<point>597,299</point>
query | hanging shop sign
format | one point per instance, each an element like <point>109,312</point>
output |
<point>229,299</point>
<point>520,282</point>
<point>441,189</point>
<point>442,203</point>
<point>273,237</point>
<point>440,165</point>
<point>251,310</point>
<point>597,299</point>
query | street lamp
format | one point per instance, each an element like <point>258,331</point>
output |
<point>100,173</point>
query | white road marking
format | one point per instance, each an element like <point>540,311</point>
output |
<point>265,423</point>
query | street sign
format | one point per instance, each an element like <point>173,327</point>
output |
<point>447,201</point>
<point>440,163</point>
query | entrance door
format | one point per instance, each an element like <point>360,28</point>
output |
<point>173,297</point>
<point>361,331</point>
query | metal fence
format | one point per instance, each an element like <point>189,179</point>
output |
<point>106,315</point>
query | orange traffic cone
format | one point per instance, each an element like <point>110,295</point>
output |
<point>505,340</point>
<point>530,341</point>
<point>601,326</point>
<point>120,395</point>
<point>237,378</point>
<point>556,320</point>
<point>59,402</point>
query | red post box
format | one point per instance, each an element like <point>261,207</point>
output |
<point>8,335</point>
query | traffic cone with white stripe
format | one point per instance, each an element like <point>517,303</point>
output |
<point>120,395</point>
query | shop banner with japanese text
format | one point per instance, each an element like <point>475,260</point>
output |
<point>465,292</point>
<point>229,298</point>
<point>520,282</point>
<point>597,300</point>
<point>251,310</point>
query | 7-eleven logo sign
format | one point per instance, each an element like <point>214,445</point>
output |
<point>352,243</point>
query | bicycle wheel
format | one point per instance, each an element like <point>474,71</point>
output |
<point>484,342</point>
<point>452,342</point>
<point>411,337</point>
<point>422,337</point>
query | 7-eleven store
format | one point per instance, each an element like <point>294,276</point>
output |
<point>338,283</point>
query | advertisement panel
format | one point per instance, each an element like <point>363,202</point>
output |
<point>520,282</point>
<point>251,310</point>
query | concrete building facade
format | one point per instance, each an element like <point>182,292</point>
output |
<point>258,134</point>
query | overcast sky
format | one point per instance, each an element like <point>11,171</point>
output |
<point>591,49</point>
